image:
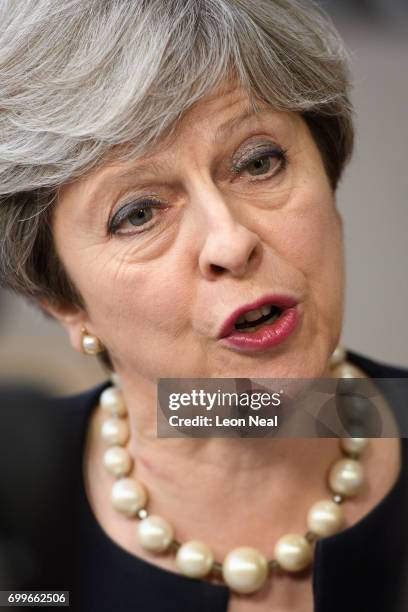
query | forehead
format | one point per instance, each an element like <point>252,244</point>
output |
<point>210,123</point>
<point>218,116</point>
<point>220,112</point>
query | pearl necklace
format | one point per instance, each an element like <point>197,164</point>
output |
<point>244,569</point>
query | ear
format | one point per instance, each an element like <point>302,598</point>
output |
<point>71,317</point>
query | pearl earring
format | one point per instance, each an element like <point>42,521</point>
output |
<point>91,345</point>
<point>340,367</point>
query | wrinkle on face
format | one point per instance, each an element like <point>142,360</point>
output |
<point>147,296</point>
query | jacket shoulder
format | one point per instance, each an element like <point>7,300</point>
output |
<point>393,383</point>
<point>40,443</point>
<point>375,368</point>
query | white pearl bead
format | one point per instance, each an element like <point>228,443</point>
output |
<point>194,559</point>
<point>347,370</point>
<point>346,477</point>
<point>155,533</point>
<point>245,569</point>
<point>115,431</point>
<point>91,344</point>
<point>117,461</point>
<point>293,552</point>
<point>128,496</point>
<point>325,518</point>
<point>338,356</point>
<point>353,445</point>
<point>112,402</point>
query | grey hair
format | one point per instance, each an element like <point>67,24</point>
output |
<point>81,79</point>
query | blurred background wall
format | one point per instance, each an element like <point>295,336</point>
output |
<point>372,199</point>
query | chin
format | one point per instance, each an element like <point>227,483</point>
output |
<point>294,364</point>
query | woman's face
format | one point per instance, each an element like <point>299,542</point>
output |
<point>235,208</point>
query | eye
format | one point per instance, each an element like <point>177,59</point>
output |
<point>264,162</point>
<point>134,216</point>
<point>140,216</point>
<point>262,165</point>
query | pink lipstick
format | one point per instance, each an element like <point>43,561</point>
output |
<point>265,323</point>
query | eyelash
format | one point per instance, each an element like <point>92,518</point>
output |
<point>149,203</point>
<point>128,209</point>
<point>259,154</point>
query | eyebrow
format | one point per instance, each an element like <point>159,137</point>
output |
<point>223,132</point>
<point>152,166</point>
<point>149,167</point>
<point>226,129</point>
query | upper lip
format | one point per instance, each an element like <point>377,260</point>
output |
<point>282,301</point>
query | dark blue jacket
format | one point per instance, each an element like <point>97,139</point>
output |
<point>49,538</point>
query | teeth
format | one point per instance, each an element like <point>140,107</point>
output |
<point>241,319</point>
<point>269,321</point>
<point>253,315</point>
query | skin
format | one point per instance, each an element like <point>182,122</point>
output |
<point>281,234</point>
<point>222,239</point>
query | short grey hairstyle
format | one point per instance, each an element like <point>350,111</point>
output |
<point>81,78</point>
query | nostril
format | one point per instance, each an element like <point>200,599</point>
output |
<point>216,269</point>
<point>252,254</point>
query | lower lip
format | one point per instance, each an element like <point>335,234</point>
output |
<point>266,336</point>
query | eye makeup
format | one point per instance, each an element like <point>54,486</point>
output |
<point>140,212</point>
<point>125,212</point>
<point>255,153</point>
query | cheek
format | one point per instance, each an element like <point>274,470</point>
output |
<point>311,240</point>
<point>315,241</point>
<point>146,300</point>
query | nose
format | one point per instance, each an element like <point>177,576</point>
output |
<point>229,247</point>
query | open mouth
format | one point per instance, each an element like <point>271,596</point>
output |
<point>254,319</point>
<point>265,314</point>
<point>261,325</point>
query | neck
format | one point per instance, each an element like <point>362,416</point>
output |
<point>226,491</point>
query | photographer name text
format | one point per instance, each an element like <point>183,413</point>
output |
<point>218,421</point>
